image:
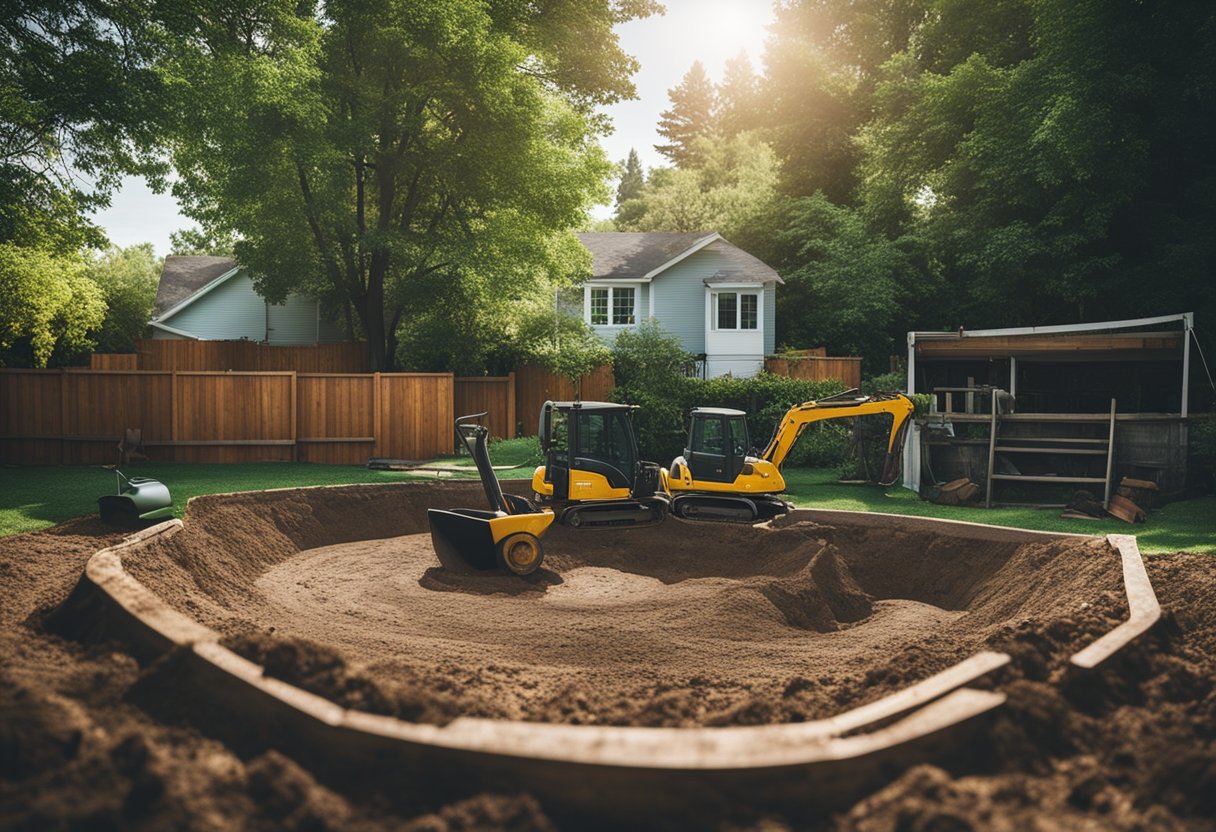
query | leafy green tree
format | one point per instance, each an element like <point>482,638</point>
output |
<point>48,306</point>
<point>196,241</point>
<point>561,343</point>
<point>360,148</point>
<point>1054,164</point>
<point>843,283</point>
<point>734,182</point>
<point>691,115</point>
<point>823,64</point>
<point>128,278</point>
<point>77,103</point>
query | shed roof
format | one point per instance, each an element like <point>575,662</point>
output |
<point>183,275</point>
<point>1136,339</point>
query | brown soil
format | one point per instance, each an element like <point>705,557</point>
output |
<point>682,624</point>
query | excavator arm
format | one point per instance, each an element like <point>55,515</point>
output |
<point>844,406</point>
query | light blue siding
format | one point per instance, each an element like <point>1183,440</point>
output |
<point>231,311</point>
<point>770,319</point>
<point>234,311</point>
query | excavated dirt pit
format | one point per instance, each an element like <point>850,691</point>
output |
<point>680,624</point>
<point>677,625</point>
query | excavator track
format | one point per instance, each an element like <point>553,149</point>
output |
<point>614,514</point>
<point>722,508</point>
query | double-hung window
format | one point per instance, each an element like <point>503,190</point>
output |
<point>613,304</point>
<point>738,310</point>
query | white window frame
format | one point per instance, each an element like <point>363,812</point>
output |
<point>738,292</point>
<point>612,289</point>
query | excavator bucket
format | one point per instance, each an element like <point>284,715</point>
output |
<point>507,536</point>
<point>463,538</point>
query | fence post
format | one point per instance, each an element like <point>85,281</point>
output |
<point>295,429</point>
<point>173,414</point>
<point>376,414</point>
<point>63,416</point>
<point>512,420</point>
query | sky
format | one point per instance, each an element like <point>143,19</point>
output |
<point>711,31</point>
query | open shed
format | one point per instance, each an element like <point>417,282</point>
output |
<point>1075,407</point>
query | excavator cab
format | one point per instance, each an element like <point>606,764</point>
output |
<point>593,475</point>
<point>718,444</point>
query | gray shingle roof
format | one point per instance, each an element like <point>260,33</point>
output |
<point>182,276</point>
<point>625,255</point>
<point>633,254</point>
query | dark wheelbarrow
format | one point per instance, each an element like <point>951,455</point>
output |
<point>139,501</point>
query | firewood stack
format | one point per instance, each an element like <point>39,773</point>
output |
<point>1132,499</point>
<point>1129,503</point>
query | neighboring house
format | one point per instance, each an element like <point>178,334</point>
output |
<point>717,299</point>
<point>213,299</point>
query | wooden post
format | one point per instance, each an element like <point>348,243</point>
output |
<point>63,416</point>
<point>376,414</point>
<point>991,447</point>
<point>1110,456</point>
<point>512,419</point>
<point>173,413</point>
<point>294,423</point>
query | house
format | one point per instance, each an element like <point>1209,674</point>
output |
<point>716,298</point>
<point>213,299</point>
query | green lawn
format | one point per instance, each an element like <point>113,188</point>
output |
<point>36,497</point>
<point>1189,525</point>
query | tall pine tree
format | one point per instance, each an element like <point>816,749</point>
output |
<point>693,104</point>
<point>738,111</point>
<point>629,193</point>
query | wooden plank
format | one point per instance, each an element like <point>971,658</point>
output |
<point>1029,478</point>
<point>1023,345</point>
<point>1072,451</point>
<point>1110,456</point>
<point>992,429</point>
<point>1143,609</point>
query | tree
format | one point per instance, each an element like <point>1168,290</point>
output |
<point>196,241</point>
<point>77,102</point>
<point>738,98</point>
<point>561,343</point>
<point>48,306</point>
<point>734,181</point>
<point>823,64</point>
<point>362,149</point>
<point>843,283</point>
<point>128,278</point>
<point>693,104</point>
<point>629,194</point>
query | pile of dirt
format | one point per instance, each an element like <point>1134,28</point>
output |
<point>823,618</point>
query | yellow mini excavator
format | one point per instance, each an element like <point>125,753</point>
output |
<point>592,476</point>
<point>719,478</point>
<point>507,536</point>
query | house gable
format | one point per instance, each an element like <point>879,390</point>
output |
<point>213,299</point>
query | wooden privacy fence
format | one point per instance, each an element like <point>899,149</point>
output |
<point>535,385</point>
<point>244,356</point>
<point>846,369</point>
<point>77,417</point>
